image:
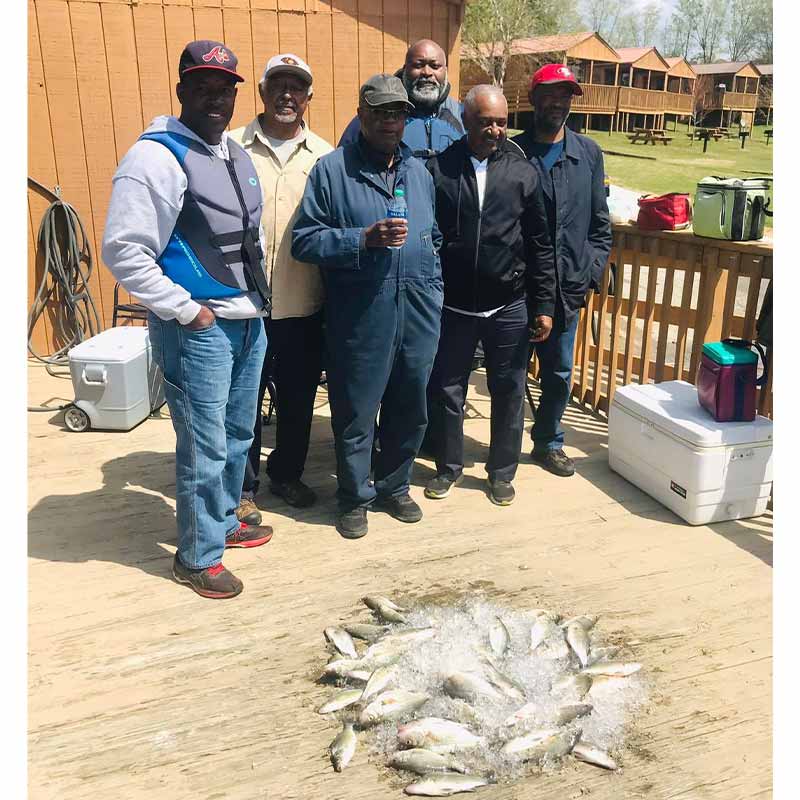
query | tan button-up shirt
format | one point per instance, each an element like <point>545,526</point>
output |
<point>297,289</point>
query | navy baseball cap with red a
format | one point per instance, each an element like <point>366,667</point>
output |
<point>554,73</point>
<point>207,54</point>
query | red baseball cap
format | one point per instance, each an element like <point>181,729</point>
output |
<point>554,73</point>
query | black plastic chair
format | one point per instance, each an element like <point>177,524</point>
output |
<point>134,311</point>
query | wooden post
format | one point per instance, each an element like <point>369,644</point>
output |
<point>649,75</point>
<point>591,71</point>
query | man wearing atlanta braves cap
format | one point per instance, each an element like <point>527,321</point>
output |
<point>284,150</point>
<point>571,168</point>
<point>183,236</point>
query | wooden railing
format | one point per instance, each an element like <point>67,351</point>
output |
<point>740,100</point>
<point>647,100</point>
<point>596,98</point>
<point>678,103</point>
<point>674,292</point>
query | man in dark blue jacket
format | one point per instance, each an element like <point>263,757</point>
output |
<point>571,168</point>
<point>383,303</point>
<point>435,120</point>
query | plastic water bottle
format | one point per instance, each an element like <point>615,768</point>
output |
<point>398,209</point>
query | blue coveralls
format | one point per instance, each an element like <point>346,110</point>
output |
<point>383,312</point>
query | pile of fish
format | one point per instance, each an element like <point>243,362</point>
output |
<point>477,694</point>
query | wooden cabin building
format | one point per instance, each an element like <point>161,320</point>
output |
<point>679,89</point>
<point>727,92</point>
<point>642,88</point>
<point>764,104</point>
<point>594,62</point>
<point>100,70</point>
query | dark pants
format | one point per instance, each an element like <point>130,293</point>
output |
<point>380,344</point>
<point>505,347</point>
<point>294,361</point>
<point>555,356</point>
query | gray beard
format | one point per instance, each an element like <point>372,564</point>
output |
<point>426,97</point>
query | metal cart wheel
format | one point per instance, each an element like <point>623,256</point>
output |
<point>76,419</point>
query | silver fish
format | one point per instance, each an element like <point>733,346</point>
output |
<point>568,713</point>
<point>471,687</point>
<point>540,630</point>
<point>397,643</point>
<point>343,747</point>
<point>342,641</point>
<point>391,705</point>
<point>573,684</point>
<point>424,761</point>
<point>528,711</point>
<point>511,689</point>
<point>444,785</point>
<point>552,746</point>
<point>614,669</point>
<point>554,650</point>
<point>605,653</point>
<point>357,675</point>
<point>434,733</point>
<point>592,754</point>
<point>385,608</point>
<point>499,637</point>
<point>578,640</point>
<point>521,746</point>
<point>545,612</point>
<point>365,631</point>
<point>586,621</point>
<point>379,680</point>
<point>341,700</point>
<point>605,684</point>
<point>339,666</point>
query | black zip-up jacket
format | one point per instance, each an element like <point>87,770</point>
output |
<point>494,256</point>
<point>575,198</point>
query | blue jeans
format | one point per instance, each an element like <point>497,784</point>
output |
<point>555,375</point>
<point>211,379</point>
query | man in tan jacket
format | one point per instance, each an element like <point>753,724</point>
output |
<point>284,150</point>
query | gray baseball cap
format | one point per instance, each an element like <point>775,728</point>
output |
<point>383,89</point>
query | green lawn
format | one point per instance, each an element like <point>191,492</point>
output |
<point>679,165</point>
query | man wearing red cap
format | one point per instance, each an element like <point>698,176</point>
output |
<point>571,170</point>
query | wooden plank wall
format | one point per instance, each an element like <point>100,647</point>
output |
<point>100,70</point>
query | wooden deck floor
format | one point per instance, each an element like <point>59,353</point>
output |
<point>141,689</point>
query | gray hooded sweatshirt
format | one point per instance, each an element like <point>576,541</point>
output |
<point>146,199</point>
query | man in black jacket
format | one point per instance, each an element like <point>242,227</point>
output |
<point>499,273</point>
<point>571,171</point>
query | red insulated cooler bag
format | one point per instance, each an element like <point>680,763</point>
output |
<point>667,212</point>
<point>727,379</point>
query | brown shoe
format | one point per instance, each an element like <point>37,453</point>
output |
<point>248,512</point>
<point>248,536</point>
<point>214,582</point>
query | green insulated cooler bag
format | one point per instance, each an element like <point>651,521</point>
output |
<point>731,208</point>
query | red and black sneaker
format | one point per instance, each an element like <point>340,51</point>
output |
<point>248,535</point>
<point>214,582</point>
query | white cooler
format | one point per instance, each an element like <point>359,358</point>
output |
<point>117,384</point>
<point>661,440</point>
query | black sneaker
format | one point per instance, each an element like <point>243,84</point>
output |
<point>402,508</point>
<point>295,493</point>
<point>501,493</point>
<point>555,461</point>
<point>439,487</point>
<point>214,582</point>
<point>248,536</point>
<point>352,524</point>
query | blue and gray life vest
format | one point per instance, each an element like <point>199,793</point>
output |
<point>214,250</point>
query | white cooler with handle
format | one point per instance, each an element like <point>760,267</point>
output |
<point>117,384</point>
<point>661,440</point>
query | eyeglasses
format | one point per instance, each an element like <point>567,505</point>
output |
<point>388,113</point>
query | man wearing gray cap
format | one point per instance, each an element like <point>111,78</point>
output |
<point>383,304</point>
<point>284,150</point>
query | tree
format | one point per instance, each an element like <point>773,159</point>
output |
<point>638,28</point>
<point>604,16</point>
<point>740,30</point>
<point>762,46</point>
<point>708,33</point>
<point>491,27</point>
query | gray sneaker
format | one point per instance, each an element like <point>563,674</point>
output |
<point>215,582</point>
<point>501,493</point>
<point>439,487</point>
<point>555,461</point>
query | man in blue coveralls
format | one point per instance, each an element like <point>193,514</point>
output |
<point>571,170</point>
<point>434,121</point>
<point>383,306</point>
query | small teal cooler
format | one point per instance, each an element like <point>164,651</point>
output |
<point>727,380</point>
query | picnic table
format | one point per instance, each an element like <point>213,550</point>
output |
<point>708,133</point>
<point>652,135</point>
<point>768,134</point>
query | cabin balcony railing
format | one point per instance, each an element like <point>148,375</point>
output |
<point>643,100</point>
<point>675,103</point>
<point>674,291</point>
<point>596,98</point>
